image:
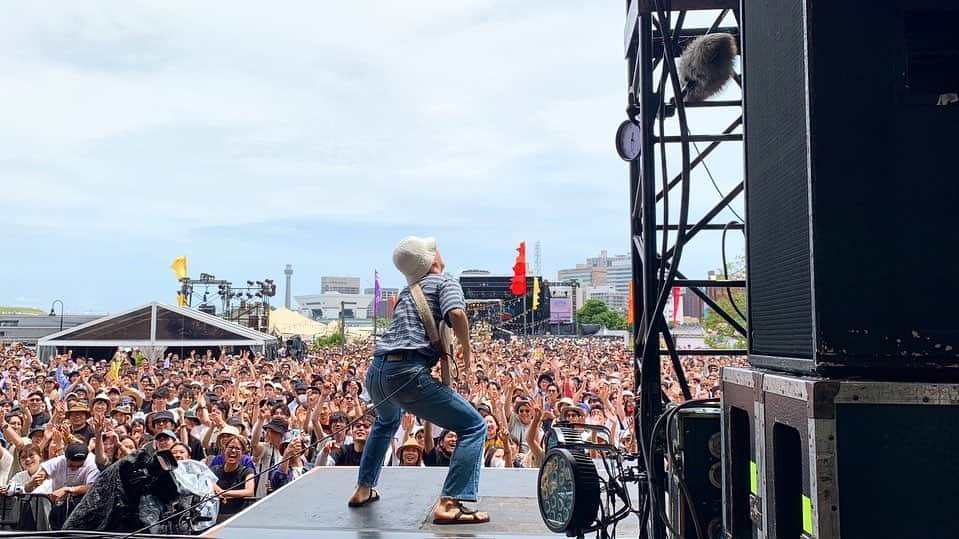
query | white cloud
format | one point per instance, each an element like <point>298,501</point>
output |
<point>329,101</point>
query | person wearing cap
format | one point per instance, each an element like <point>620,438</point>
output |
<point>398,378</point>
<point>410,453</point>
<point>575,413</point>
<point>164,440</point>
<point>101,404</point>
<point>301,397</point>
<point>270,452</point>
<point>37,406</point>
<point>77,415</point>
<point>561,405</point>
<point>122,414</point>
<point>71,476</point>
<point>234,479</point>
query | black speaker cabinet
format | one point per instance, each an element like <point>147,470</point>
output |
<point>855,459</point>
<point>696,447</point>
<point>851,185</point>
<point>742,434</point>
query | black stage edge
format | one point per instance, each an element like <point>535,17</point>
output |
<point>315,506</point>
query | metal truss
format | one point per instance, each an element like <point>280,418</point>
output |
<point>654,38</point>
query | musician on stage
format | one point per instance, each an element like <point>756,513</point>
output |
<point>399,379</point>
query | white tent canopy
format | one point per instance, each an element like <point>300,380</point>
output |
<point>287,323</point>
<point>155,327</point>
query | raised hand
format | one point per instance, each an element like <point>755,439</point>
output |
<point>97,423</point>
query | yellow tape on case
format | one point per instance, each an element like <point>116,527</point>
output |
<point>753,478</point>
<point>807,514</point>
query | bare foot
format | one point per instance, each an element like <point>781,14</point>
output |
<point>450,511</point>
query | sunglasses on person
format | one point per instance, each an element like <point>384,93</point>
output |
<point>233,449</point>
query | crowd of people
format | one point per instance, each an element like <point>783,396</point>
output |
<point>260,423</point>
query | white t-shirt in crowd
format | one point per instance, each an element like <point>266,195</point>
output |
<point>21,478</point>
<point>61,476</point>
<point>6,462</point>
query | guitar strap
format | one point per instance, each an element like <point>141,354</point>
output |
<point>426,315</point>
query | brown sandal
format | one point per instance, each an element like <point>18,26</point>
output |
<point>461,512</point>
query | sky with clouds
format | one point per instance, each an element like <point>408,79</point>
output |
<point>248,136</point>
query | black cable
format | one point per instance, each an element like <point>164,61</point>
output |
<point>669,452</point>
<point>715,185</point>
<point>667,417</point>
<point>729,292</point>
<point>275,466</point>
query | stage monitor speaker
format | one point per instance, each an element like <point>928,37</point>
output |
<point>849,458</point>
<point>742,435</point>
<point>851,185</point>
<point>696,447</point>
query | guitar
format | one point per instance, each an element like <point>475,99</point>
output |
<point>441,337</point>
<point>449,368</point>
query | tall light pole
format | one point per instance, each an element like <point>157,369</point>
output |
<point>53,313</point>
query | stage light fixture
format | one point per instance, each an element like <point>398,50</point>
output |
<point>568,491</point>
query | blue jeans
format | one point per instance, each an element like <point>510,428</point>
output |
<point>417,392</point>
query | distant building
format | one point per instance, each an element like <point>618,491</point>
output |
<point>584,275</point>
<point>388,297</point>
<point>620,273</point>
<point>384,291</point>
<point>29,328</point>
<point>614,299</point>
<point>602,270</point>
<point>343,285</point>
<point>693,306</point>
<point>327,306</point>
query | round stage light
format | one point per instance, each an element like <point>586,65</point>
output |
<point>568,491</point>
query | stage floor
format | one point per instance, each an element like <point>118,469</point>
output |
<point>315,506</point>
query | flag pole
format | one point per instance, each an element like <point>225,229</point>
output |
<point>525,318</point>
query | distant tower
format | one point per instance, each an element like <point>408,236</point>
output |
<point>289,290</point>
<point>538,259</point>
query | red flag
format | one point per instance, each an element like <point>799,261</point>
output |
<point>629,306</point>
<point>518,284</point>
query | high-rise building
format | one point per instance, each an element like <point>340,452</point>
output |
<point>614,299</point>
<point>343,285</point>
<point>584,275</point>
<point>601,270</point>
<point>620,273</point>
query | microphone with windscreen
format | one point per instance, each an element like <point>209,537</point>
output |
<point>707,65</point>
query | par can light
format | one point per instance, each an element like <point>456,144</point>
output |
<point>568,491</point>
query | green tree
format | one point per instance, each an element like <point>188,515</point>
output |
<point>719,333</point>
<point>595,311</point>
<point>330,341</point>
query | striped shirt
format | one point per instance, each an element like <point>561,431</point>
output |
<point>407,332</point>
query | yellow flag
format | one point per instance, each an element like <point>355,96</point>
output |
<point>181,300</point>
<point>535,293</point>
<point>114,373</point>
<point>179,267</point>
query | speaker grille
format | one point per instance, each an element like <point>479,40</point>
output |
<point>777,188</point>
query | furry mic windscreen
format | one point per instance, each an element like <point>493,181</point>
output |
<point>707,65</point>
